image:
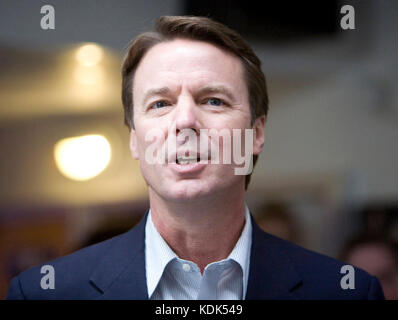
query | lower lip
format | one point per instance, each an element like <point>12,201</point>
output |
<point>187,168</point>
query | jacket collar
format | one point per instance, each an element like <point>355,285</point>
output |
<point>121,273</point>
<point>272,273</point>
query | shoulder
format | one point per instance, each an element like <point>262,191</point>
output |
<point>70,272</point>
<point>322,277</point>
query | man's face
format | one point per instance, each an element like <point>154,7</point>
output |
<point>189,85</point>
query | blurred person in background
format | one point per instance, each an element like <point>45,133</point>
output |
<point>376,255</point>
<point>275,218</point>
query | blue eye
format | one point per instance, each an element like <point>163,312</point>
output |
<point>159,104</point>
<point>215,102</point>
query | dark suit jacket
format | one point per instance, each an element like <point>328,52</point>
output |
<point>115,269</point>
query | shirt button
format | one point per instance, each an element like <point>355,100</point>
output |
<point>186,267</point>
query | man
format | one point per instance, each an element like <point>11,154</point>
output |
<point>198,240</point>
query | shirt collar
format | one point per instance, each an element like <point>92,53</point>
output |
<point>158,254</point>
<point>241,251</point>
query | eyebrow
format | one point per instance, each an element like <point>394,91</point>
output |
<point>217,89</point>
<point>155,92</point>
<point>202,91</point>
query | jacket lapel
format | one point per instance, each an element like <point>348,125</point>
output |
<point>272,274</point>
<point>121,273</point>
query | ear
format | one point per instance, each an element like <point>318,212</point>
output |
<point>259,131</point>
<point>133,144</point>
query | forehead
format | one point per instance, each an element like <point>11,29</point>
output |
<point>188,62</point>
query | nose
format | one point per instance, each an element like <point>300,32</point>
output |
<point>186,114</point>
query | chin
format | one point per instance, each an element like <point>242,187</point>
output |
<point>189,190</point>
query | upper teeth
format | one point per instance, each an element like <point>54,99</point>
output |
<point>186,160</point>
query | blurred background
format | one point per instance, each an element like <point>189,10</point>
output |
<point>327,178</point>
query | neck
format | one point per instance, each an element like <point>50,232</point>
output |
<point>201,231</point>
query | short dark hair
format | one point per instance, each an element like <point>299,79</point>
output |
<point>168,28</point>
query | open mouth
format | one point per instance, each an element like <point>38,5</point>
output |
<point>188,165</point>
<point>187,160</point>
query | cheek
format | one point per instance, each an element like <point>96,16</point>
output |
<point>232,143</point>
<point>154,144</point>
<point>232,119</point>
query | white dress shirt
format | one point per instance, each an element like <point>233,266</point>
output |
<point>171,278</point>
